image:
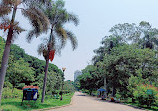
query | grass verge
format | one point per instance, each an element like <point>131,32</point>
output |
<point>153,108</point>
<point>15,103</point>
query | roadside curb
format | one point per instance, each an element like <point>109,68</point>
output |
<point>56,107</point>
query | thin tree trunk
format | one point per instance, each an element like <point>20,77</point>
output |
<point>13,89</point>
<point>113,90</point>
<point>45,80</point>
<point>62,86</point>
<point>61,98</point>
<point>105,86</point>
<point>6,52</point>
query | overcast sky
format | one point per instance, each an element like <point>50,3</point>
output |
<point>96,18</point>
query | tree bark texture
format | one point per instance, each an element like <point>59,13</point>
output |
<point>46,67</point>
<point>45,79</point>
<point>6,52</point>
<point>105,86</point>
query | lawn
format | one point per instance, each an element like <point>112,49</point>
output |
<point>15,103</point>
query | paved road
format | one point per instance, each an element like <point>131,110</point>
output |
<point>81,102</point>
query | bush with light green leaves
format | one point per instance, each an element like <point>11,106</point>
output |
<point>10,93</point>
<point>146,94</point>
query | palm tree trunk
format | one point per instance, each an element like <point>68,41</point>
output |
<point>46,68</point>
<point>45,79</point>
<point>6,52</point>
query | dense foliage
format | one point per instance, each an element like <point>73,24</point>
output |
<point>24,69</point>
<point>126,61</point>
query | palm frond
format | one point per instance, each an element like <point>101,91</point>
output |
<point>30,35</point>
<point>18,29</point>
<point>34,18</point>
<point>60,42</point>
<point>7,2</point>
<point>44,20</point>
<point>37,1</point>
<point>43,50</point>
<point>38,20</point>
<point>73,39</point>
<point>61,32</point>
<point>73,18</point>
<point>5,20</point>
<point>60,4</point>
<point>4,10</point>
<point>63,42</point>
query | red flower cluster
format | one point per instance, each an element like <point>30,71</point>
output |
<point>4,26</point>
<point>51,55</point>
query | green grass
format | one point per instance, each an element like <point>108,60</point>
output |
<point>15,103</point>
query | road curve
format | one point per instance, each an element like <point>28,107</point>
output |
<point>81,102</point>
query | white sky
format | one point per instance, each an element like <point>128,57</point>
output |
<point>96,18</point>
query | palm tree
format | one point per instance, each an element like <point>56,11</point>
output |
<point>58,16</point>
<point>37,19</point>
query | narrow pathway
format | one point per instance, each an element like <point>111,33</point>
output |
<point>82,102</point>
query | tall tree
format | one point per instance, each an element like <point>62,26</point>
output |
<point>125,61</point>
<point>20,71</point>
<point>108,43</point>
<point>142,34</point>
<point>36,17</point>
<point>58,16</point>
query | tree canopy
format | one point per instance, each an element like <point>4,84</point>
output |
<point>128,56</point>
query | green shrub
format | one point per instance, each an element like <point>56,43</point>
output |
<point>156,99</point>
<point>10,93</point>
<point>143,98</point>
<point>117,95</point>
<point>20,85</point>
<point>8,84</point>
<point>54,92</point>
